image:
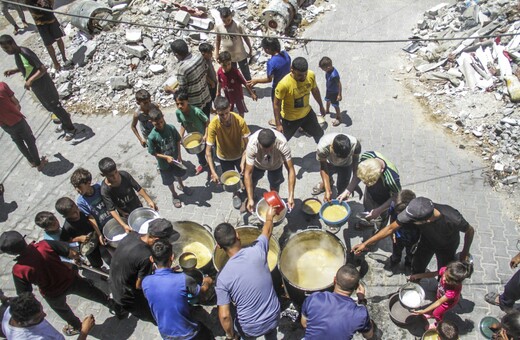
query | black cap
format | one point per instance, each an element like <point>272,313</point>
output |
<point>419,209</point>
<point>11,242</point>
<point>160,227</point>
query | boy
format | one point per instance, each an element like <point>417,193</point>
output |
<point>232,43</point>
<point>8,16</point>
<point>39,81</point>
<point>118,190</point>
<point>333,90</point>
<point>192,119</point>
<point>89,200</point>
<point>142,97</point>
<point>231,80</point>
<point>207,53</point>
<point>165,144</point>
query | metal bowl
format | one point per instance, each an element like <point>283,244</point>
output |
<point>188,261</point>
<point>261,211</point>
<point>191,137</point>
<point>141,215</point>
<point>408,294</point>
<point>354,293</point>
<point>307,210</point>
<point>338,222</point>
<point>114,232</point>
<point>230,187</point>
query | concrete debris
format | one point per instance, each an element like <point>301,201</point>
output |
<point>119,83</point>
<point>133,35</point>
<point>156,69</point>
<point>477,77</point>
<point>135,50</point>
<point>182,17</point>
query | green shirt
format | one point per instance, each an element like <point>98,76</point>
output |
<point>164,142</point>
<point>195,121</point>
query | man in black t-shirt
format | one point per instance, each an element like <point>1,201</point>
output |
<point>118,190</point>
<point>439,225</point>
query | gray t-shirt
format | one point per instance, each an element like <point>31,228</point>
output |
<point>246,282</point>
<point>324,153</point>
<point>270,160</point>
<point>41,331</point>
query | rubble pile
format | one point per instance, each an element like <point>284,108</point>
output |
<point>474,82</point>
<point>109,66</point>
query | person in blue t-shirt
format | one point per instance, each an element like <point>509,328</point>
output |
<point>334,88</point>
<point>245,284</point>
<point>335,315</point>
<point>167,294</point>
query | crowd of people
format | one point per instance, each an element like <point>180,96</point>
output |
<point>211,102</point>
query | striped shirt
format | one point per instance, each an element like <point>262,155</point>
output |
<point>388,184</point>
<point>191,75</point>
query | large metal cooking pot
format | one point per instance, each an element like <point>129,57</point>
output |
<point>247,236</point>
<point>196,239</point>
<point>139,216</point>
<point>114,232</point>
<point>309,261</point>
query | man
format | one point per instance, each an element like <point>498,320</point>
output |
<point>39,263</point>
<point>337,153</point>
<point>14,124</point>
<point>25,319</point>
<point>245,282</point>
<point>167,294</point>
<point>191,75</point>
<point>292,109</point>
<point>9,17</point>
<point>131,263</point>
<point>506,300</point>
<point>439,226</point>
<point>335,315</point>
<point>49,29</point>
<point>229,133</point>
<point>38,80</point>
<point>267,150</point>
<point>382,184</point>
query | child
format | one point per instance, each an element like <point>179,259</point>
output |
<point>232,43</point>
<point>447,330</point>
<point>333,91</point>
<point>207,53</point>
<point>118,190</point>
<point>192,119</point>
<point>142,97</point>
<point>448,290</point>
<point>89,200</point>
<point>231,80</point>
<point>164,142</point>
<point>78,228</point>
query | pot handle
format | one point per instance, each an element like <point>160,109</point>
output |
<point>314,227</point>
<point>208,228</point>
<point>307,294</point>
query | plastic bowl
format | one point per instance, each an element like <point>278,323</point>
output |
<point>193,137</point>
<point>273,199</point>
<point>336,222</point>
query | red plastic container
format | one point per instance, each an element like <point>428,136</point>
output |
<point>273,199</point>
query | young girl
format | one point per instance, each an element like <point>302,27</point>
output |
<point>231,80</point>
<point>448,290</point>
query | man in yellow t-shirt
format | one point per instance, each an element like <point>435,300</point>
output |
<point>292,109</point>
<point>229,133</point>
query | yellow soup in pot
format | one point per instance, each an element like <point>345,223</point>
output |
<point>311,207</point>
<point>232,180</point>
<point>202,253</point>
<point>335,213</point>
<point>192,144</point>
<point>313,268</point>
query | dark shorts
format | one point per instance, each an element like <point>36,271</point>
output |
<point>275,177</point>
<point>332,97</point>
<point>171,174</point>
<point>230,165</point>
<point>50,32</point>
<point>309,124</point>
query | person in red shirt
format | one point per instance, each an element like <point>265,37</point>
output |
<point>14,124</point>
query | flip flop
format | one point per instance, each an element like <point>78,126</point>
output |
<point>272,122</point>
<point>68,330</point>
<point>177,203</point>
<point>318,189</point>
<point>491,298</point>
<point>336,122</point>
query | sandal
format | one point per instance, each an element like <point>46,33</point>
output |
<point>491,298</point>
<point>336,122</point>
<point>318,189</point>
<point>68,330</point>
<point>177,203</point>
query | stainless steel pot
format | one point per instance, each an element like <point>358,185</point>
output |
<point>196,239</point>
<point>309,261</point>
<point>139,216</point>
<point>190,137</point>
<point>114,232</point>
<point>230,187</point>
<point>261,211</point>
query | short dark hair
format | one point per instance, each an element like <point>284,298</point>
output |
<point>44,219</point>
<point>162,251</point>
<point>271,44</point>
<point>181,94</point>
<point>107,165</point>
<point>64,205</point>
<point>266,138</point>
<point>180,47</point>
<point>155,113</point>
<point>225,12</point>
<point>142,94</point>
<point>447,330</point>
<point>404,197</point>
<point>300,64</point>
<point>341,146</point>
<point>205,47</point>
<point>511,324</point>
<point>6,39</point>
<point>225,235</point>
<point>24,307</point>
<point>347,278</point>
<point>325,62</point>
<point>224,56</point>
<point>221,103</point>
<point>457,271</point>
<point>80,176</point>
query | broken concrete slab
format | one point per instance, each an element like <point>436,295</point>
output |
<point>119,83</point>
<point>133,35</point>
<point>156,69</point>
<point>182,17</point>
<point>135,50</point>
<point>83,53</point>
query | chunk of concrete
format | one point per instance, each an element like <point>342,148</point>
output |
<point>84,52</point>
<point>182,17</point>
<point>135,50</point>
<point>156,69</point>
<point>119,83</point>
<point>133,35</point>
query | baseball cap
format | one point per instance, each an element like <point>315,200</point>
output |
<point>160,227</point>
<point>11,242</point>
<point>419,209</point>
